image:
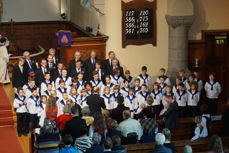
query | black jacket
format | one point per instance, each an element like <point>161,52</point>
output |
<point>33,65</point>
<point>39,76</point>
<point>19,78</point>
<point>116,113</point>
<point>73,73</point>
<point>171,116</point>
<point>74,127</point>
<point>89,68</point>
<point>72,65</point>
<point>55,74</point>
<point>95,103</point>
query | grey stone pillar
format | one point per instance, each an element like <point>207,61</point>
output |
<point>178,43</point>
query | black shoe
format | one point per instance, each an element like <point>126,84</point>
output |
<point>19,135</point>
<point>25,134</point>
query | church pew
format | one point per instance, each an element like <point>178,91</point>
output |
<point>187,126</point>
<point>200,145</point>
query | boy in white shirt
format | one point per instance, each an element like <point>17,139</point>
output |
<point>109,99</point>
<point>74,95</point>
<point>61,103</point>
<point>33,104</point>
<point>144,77</point>
<point>61,89</point>
<point>64,76</point>
<point>162,72</point>
<point>22,113</point>
<point>125,89</point>
<point>96,82</point>
<point>42,110</point>
<point>200,131</point>
<point>28,87</point>
<point>142,97</point>
<point>213,90</point>
<point>116,78</point>
<point>48,90</point>
<point>44,84</point>
<point>107,84</point>
<point>177,82</point>
<point>80,82</point>
<point>157,99</point>
<point>131,102</point>
<point>193,99</point>
<point>181,74</point>
<point>198,80</point>
<point>137,87</point>
<point>116,92</point>
<point>82,100</point>
<point>181,99</point>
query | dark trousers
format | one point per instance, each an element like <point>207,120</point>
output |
<point>192,111</point>
<point>33,121</point>
<point>182,111</point>
<point>22,123</point>
<point>212,105</point>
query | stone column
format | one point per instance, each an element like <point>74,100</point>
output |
<point>178,43</point>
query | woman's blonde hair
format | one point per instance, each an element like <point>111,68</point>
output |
<point>51,103</point>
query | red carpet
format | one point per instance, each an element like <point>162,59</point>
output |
<point>6,115</point>
<point>9,142</point>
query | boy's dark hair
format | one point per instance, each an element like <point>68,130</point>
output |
<point>34,89</point>
<point>67,139</point>
<point>144,68</point>
<point>19,89</point>
<point>107,143</point>
<point>116,140</point>
<point>181,84</point>
<point>2,40</point>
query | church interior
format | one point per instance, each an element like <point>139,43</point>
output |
<point>174,51</point>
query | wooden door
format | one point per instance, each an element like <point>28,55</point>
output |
<point>217,59</point>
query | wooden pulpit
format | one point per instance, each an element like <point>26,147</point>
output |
<point>84,45</point>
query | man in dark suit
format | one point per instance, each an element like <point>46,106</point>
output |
<point>72,63</point>
<point>29,65</point>
<point>116,113</point>
<point>115,65</point>
<point>95,102</point>
<point>40,73</point>
<point>90,65</point>
<point>107,64</point>
<point>76,125</point>
<point>57,72</point>
<point>19,76</point>
<point>171,115</point>
<point>52,52</point>
<point>78,68</point>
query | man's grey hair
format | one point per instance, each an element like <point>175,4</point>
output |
<point>187,149</point>
<point>160,139</point>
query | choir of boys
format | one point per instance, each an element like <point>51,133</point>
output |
<point>75,84</point>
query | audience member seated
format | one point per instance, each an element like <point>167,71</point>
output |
<point>128,127</point>
<point>116,113</point>
<point>107,144</point>
<point>160,148</point>
<point>62,119</point>
<point>225,120</point>
<point>51,108</point>
<point>96,148</point>
<point>48,139</point>
<point>216,145</point>
<point>76,125</point>
<point>83,142</point>
<point>149,126</point>
<point>187,149</point>
<point>68,140</point>
<point>98,126</point>
<point>86,116</point>
<point>200,131</point>
<point>112,129</point>
<point>168,143</point>
<point>205,118</point>
<point>117,147</point>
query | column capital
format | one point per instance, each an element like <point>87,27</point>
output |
<point>176,21</point>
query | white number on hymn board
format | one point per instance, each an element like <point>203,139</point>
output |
<point>129,13</point>
<point>129,31</point>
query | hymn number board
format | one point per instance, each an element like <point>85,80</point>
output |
<point>138,23</point>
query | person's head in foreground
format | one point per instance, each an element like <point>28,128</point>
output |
<point>187,149</point>
<point>160,139</point>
